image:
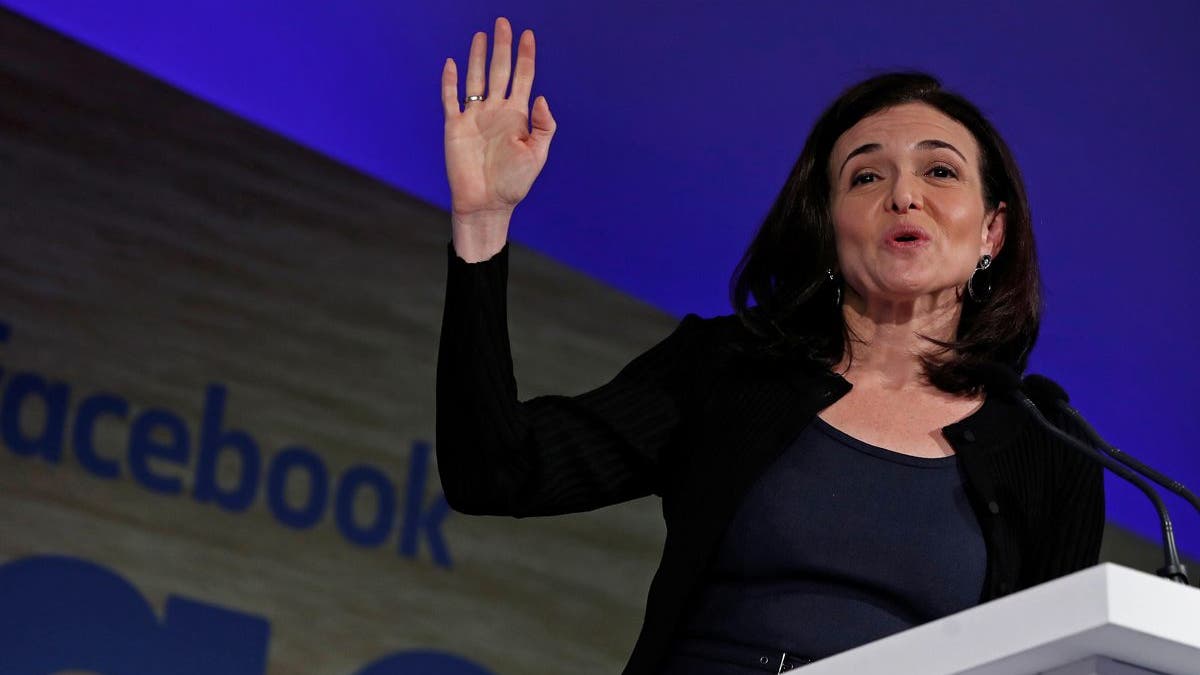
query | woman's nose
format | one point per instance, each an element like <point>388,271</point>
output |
<point>905,195</point>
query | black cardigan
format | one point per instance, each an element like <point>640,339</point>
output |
<point>695,421</point>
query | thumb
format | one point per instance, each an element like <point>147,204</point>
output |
<point>543,125</point>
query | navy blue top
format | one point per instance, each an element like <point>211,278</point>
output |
<point>840,543</point>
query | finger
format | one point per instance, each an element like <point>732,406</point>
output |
<point>543,127</point>
<point>450,89</point>
<point>475,66</point>
<point>523,78</point>
<point>501,60</point>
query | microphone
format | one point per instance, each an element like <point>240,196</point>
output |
<point>1050,390</point>
<point>1010,384</point>
<point>1053,392</point>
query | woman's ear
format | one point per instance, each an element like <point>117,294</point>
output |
<point>993,231</point>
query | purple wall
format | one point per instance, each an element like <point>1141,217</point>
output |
<point>679,121</point>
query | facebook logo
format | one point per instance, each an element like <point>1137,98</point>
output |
<point>59,613</point>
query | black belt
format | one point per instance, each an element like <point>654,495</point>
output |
<point>744,655</point>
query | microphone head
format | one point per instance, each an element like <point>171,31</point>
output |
<point>1043,388</point>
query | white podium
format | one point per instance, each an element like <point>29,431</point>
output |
<point>1105,620</point>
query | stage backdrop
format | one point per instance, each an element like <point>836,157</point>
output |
<point>679,121</point>
<point>217,360</point>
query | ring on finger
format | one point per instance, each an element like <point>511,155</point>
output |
<point>474,97</point>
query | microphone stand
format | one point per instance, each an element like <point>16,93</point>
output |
<point>1059,396</point>
<point>1173,568</point>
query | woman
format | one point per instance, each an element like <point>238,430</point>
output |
<point>834,462</point>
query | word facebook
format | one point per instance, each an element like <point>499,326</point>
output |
<point>160,450</point>
<point>59,613</point>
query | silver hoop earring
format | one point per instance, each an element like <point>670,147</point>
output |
<point>979,286</point>
<point>837,287</point>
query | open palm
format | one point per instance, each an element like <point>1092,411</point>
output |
<point>492,154</point>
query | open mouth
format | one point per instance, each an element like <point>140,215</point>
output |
<point>906,235</point>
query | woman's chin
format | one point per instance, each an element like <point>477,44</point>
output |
<point>909,291</point>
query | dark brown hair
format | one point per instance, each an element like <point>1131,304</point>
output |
<point>784,269</point>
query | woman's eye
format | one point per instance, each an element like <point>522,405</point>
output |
<point>943,172</point>
<point>862,178</point>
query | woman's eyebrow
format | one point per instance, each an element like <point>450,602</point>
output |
<point>862,149</point>
<point>928,144</point>
<point>934,143</point>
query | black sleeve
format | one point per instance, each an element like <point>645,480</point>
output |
<point>1072,535</point>
<point>550,454</point>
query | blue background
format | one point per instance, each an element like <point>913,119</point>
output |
<point>678,122</point>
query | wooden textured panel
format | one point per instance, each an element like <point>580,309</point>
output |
<point>153,245</point>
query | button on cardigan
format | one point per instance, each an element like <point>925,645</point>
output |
<point>695,421</point>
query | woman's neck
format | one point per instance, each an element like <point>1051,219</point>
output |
<point>886,342</point>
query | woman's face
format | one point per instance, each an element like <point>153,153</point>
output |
<point>907,205</point>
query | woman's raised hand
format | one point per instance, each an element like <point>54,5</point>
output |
<point>492,155</point>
